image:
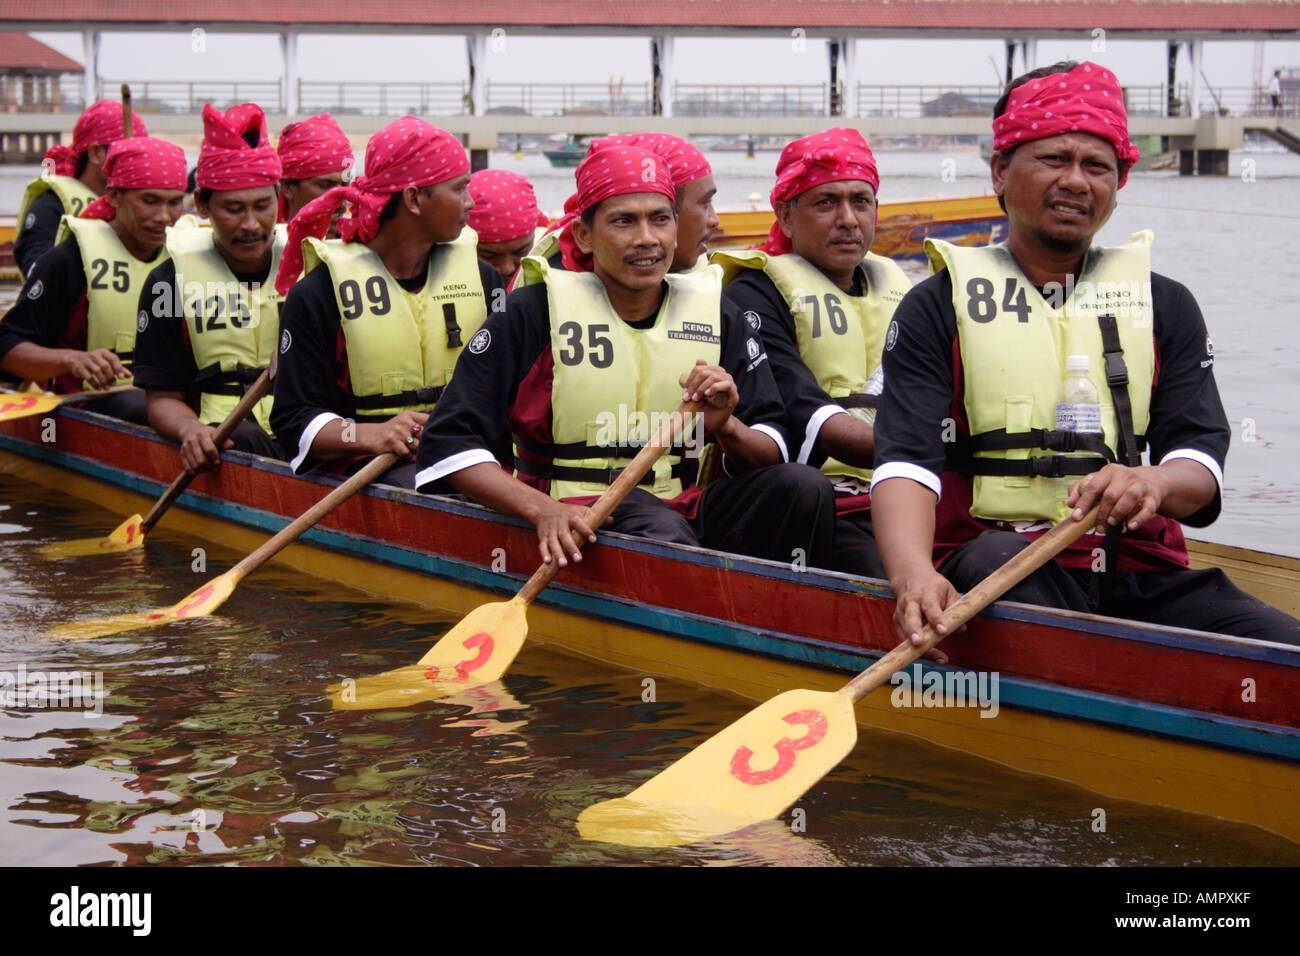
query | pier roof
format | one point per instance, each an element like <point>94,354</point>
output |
<point>820,17</point>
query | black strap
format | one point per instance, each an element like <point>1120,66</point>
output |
<point>1042,438</point>
<point>603,476</point>
<point>214,381</point>
<point>1117,378</point>
<point>424,397</point>
<point>453,330</point>
<point>858,400</point>
<point>578,449</point>
<point>1046,466</point>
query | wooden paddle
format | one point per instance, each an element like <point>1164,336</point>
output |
<point>129,535</point>
<point>18,405</point>
<point>722,785</point>
<point>486,641</point>
<point>212,595</point>
<point>128,124</point>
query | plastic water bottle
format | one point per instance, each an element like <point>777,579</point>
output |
<point>1078,410</point>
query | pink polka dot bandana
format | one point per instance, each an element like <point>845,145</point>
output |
<point>505,206</point>
<point>100,125</point>
<point>1088,99</point>
<point>314,147</point>
<point>615,171</point>
<point>407,152</point>
<point>831,156</point>
<point>685,162</point>
<point>139,163</point>
<point>226,161</point>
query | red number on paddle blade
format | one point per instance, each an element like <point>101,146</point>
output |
<point>785,748</point>
<point>200,596</point>
<point>483,641</point>
<point>17,404</point>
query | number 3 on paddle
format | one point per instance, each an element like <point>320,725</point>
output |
<point>18,404</point>
<point>483,641</point>
<point>816,723</point>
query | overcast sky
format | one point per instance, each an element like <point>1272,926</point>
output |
<point>517,59</point>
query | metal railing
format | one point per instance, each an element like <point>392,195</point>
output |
<point>919,101</point>
<point>175,97</point>
<point>384,99</point>
<point>558,99</point>
<point>764,99</point>
<point>609,99</point>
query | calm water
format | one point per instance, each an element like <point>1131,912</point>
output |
<point>218,744</point>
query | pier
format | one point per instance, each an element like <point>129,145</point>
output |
<point>1197,121</point>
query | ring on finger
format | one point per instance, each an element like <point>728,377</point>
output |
<point>410,440</point>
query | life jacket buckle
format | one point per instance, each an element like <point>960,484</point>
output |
<point>1116,370</point>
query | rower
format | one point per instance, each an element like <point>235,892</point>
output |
<point>75,320</point>
<point>208,318</point>
<point>975,360</point>
<point>370,340</point>
<point>316,157</point>
<point>821,303</point>
<point>505,217</point>
<point>693,192</point>
<point>72,177</point>
<point>583,363</point>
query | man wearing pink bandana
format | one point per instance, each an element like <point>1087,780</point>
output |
<point>821,303</point>
<point>75,320</point>
<point>693,192</point>
<point>505,218</point>
<point>586,357</point>
<point>315,155</point>
<point>209,317</point>
<point>372,332</point>
<point>974,364</point>
<point>71,178</point>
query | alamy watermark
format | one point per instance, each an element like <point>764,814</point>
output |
<point>632,429</point>
<point>918,687</point>
<point>22,689</point>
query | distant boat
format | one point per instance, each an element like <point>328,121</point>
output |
<point>901,229</point>
<point>569,155</point>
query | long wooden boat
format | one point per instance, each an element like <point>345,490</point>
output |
<point>901,229</point>
<point>1172,717</point>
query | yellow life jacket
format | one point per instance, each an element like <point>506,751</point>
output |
<point>546,243</point>
<point>1013,351</point>
<point>73,193</point>
<point>402,346</point>
<point>114,279</point>
<point>614,385</point>
<point>841,337</point>
<point>190,220</point>
<point>234,327</point>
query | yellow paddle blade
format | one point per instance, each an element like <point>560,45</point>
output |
<point>203,601</point>
<point>751,771</point>
<point>20,406</point>
<point>401,687</point>
<point>480,648</point>
<point>476,651</point>
<point>125,537</point>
